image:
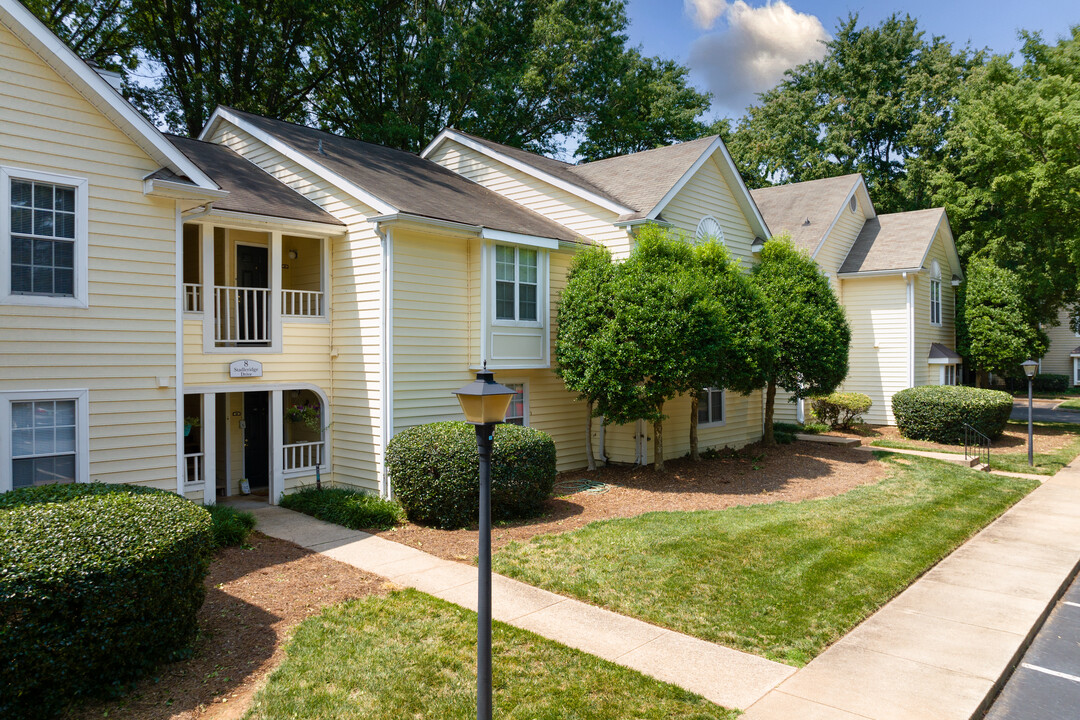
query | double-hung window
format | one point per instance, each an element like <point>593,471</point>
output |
<point>711,406</point>
<point>950,374</point>
<point>517,281</point>
<point>43,228</point>
<point>935,294</point>
<point>44,438</point>
<point>518,412</point>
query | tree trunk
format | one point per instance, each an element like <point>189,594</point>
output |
<point>770,400</point>
<point>658,447</point>
<point>693,427</point>
<point>588,439</point>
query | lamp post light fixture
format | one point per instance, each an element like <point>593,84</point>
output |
<point>484,403</point>
<point>1030,368</point>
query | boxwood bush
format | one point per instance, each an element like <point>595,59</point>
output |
<point>97,584</point>
<point>840,409</point>
<point>434,472</point>
<point>938,412</point>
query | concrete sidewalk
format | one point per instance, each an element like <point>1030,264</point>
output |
<point>724,676</point>
<point>940,649</point>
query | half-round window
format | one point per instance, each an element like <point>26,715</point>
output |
<point>854,204</point>
<point>709,229</point>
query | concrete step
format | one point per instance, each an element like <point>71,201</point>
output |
<point>829,439</point>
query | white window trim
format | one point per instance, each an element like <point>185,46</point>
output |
<point>81,185</point>
<point>82,429</point>
<point>524,394</point>
<point>723,408</point>
<point>935,283</point>
<point>542,288</point>
<point>944,371</point>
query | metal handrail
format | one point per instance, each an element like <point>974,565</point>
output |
<point>976,445</point>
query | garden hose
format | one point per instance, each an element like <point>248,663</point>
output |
<point>571,487</point>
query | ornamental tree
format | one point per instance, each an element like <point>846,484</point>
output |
<point>743,336</point>
<point>996,328</point>
<point>811,334</point>
<point>585,308</point>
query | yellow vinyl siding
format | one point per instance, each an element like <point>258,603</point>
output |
<point>837,244</point>
<point>707,193</point>
<point>925,333</point>
<point>1062,342</point>
<point>305,358</point>
<point>582,216</point>
<point>125,340</point>
<point>877,312</point>
<point>355,275</point>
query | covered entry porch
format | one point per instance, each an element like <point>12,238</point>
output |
<point>255,443</point>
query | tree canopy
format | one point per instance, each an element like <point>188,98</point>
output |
<point>810,330</point>
<point>995,328</point>
<point>522,72</point>
<point>878,103</point>
<point>1011,178</point>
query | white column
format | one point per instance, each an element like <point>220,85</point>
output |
<point>275,290</point>
<point>209,304</point>
<point>209,447</point>
<point>277,442</point>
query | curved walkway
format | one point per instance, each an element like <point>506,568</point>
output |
<point>727,677</point>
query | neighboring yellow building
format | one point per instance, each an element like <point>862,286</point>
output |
<point>1063,355</point>
<point>895,275</point>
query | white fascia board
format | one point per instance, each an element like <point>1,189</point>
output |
<point>264,222</point>
<point>879,273</point>
<point>950,245</point>
<point>733,177</point>
<point>519,239</point>
<point>301,159</point>
<point>526,168</point>
<point>98,91</point>
<point>410,219</point>
<point>172,189</point>
<point>630,224</point>
<point>942,361</point>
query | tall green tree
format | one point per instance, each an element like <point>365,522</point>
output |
<point>996,327</point>
<point>97,30</point>
<point>810,330</point>
<point>878,103</point>
<point>744,339</point>
<point>586,306</point>
<point>1011,179</point>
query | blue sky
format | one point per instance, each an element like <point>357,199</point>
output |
<point>738,48</point>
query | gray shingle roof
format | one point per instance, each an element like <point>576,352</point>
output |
<point>897,241</point>
<point>411,184</point>
<point>251,189</point>
<point>787,208</point>
<point>638,181</point>
<point>941,352</point>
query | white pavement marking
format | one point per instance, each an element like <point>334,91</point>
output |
<point>1048,671</point>
<point>1071,604</point>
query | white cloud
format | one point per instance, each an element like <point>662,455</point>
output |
<point>751,54</point>
<point>706,12</point>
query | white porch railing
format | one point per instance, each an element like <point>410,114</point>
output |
<point>241,315</point>
<point>303,456</point>
<point>192,297</point>
<point>301,303</point>
<point>193,467</point>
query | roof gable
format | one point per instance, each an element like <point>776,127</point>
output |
<point>393,181</point>
<point>44,43</point>
<point>808,210</point>
<point>894,242</point>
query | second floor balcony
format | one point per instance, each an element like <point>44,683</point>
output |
<point>246,284</point>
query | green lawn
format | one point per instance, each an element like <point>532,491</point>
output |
<point>782,580</point>
<point>1045,463</point>
<point>1070,405</point>
<point>410,655</point>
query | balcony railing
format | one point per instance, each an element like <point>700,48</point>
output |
<point>303,456</point>
<point>193,464</point>
<point>301,303</point>
<point>192,297</point>
<point>241,316</point>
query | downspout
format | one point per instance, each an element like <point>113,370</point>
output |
<point>386,342</point>
<point>181,465</point>
<point>911,327</point>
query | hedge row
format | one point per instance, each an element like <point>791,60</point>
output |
<point>342,506</point>
<point>938,412</point>
<point>98,583</point>
<point>434,472</point>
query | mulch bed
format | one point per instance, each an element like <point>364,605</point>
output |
<point>799,471</point>
<point>255,596</point>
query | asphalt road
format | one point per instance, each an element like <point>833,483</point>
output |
<point>1042,411</point>
<point>1046,683</point>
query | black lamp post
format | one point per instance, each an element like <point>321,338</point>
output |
<point>1030,368</point>
<point>484,403</point>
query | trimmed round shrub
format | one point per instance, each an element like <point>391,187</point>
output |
<point>840,409</point>
<point>98,583</point>
<point>434,471</point>
<point>938,412</point>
